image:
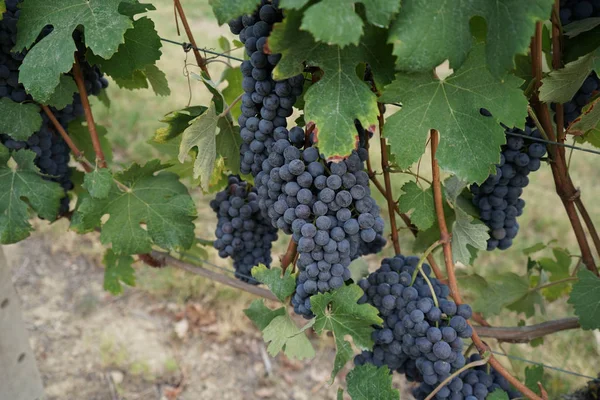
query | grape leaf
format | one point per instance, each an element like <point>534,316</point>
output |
<point>526,304</point>
<point>340,96</point>
<point>502,290</point>
<point>420,202</point>
<point>533,375</point>
<point>226,10</point>
<point>359,269</point>
<point>561,85</point>
<point>98,183</point>
<point>281,284</point>
<point>63,94</point>
<point>19,120</point>
<point>117,269</point>
<point>228,145</point>
<point>339,312</point>
<point>140,48</point>
<point>469,142</point>
<point>285,336</point>
<point>587,125</point>
<point>80,135</point>
<point>134,7</point>
<point>158,80</point>
<point>23,188</point>
<point>498,394</point>
<point>576,28</point>
<point>366,382</point>
<point>262,315</point>
<point>234,77</point>
<point>177,122</point>
<point>418,47</point>
<point>155,198</point>
<point>466,231</point>
<point>53,55</point>
<point>2,9</point>
<point>585,297</point>
<point>292,4</point>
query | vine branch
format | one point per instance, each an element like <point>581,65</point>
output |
<point>452,283</point>
<point>524,334</point>
<point>89,117</point>
<point>188,31</point>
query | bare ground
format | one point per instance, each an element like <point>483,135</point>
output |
<point>143,345</point>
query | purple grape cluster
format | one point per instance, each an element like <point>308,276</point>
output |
<point>473,384</point>
<point>52,153</point>
<point>242,232</point>
<point>419,338</point>
<point>498,198</point>
<point>576,10</point>
<point>266,102</point>
<point>572,109</point>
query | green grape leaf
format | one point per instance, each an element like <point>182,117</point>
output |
<point>292,4</point>
<point>367,382</point>
<point>117,269</point>
<point>262,315</point>
<point>502,290</point>
<point>419,48</point>
<point>177,122</point>
<point>585,297</point>
<point>533,375</point>
<point>420,202</point>
<point>359,269</point>
<point>559,266</point>
<point>340,96</point>
<point>158,80</point>
<point>561,85</point>
<point>23,188</point>
<point>155,199</point>
<point>226,10</point>
<point>53,55</point>
<point>336,21</point>
<point>98,183</point>
<point>498,394</point>
<point>63,94</point>
<point>80,135</point>
<point>339,312</point>
<point>284,335</point>
<point>576,28</point>
<point>19,120</point>
<point>228,145</point>
<point>587,125</point>
<point>534,249</point>
<point>233,76</point>
<point>2,10</point>
<point>202,133</point>
<point>467,232</point>
<point>282,284</point>
<point>137,81</point>
<point>526,304</point>
<point>141,48</point>
<point>469,142</point>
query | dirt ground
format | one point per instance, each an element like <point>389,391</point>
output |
<point>93,346</point>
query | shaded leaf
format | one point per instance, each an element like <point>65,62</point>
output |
<point>63,94</point>
<point>533,375</point>
<point>19,120</point>
<point>498,394</point>
<point>585,297</point>
<point>117,269</point>
<point>98,183</point>
<point>420,202</point>
<point>282,284</point>
<point>466,231</point>
<point>80,135</point>
<point>284,335</point>
<point>226,10</point>
<point>367,382</point>
<point>262,315</point>
<point>177,121</point>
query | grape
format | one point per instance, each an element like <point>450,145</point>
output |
<point>246,238</point>
<point>52,153</point>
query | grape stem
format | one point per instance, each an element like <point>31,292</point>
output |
<point>550,284</point>
<point>473,364</point>
<point>186,26</point>
<point>562,180</point>
<point>423,274</point>
<point>229,107</point>
<point>452,283</point>
<point>385,166</point>
<point>89,117</point>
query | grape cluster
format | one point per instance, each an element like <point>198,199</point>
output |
<point>498,198</point>
<point>266,103</point>
<point>472,384</point>
<point>242,232</point>
<point>572,109</point>
<point>418,338</point>
<point>576,10</point>
<point>52,153</point>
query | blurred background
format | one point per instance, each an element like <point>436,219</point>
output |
<point>179,336</point>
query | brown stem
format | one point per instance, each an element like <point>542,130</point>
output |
<point>87,166</point>
<point>89,117</point>
<point>562,180</point>
<point>452,283</point>
<point>290,254</point>
<point>166,259</point>
<point>199,59</point>
<point>385,166</point>
<point>439,211</point>
<point>557,64</point>
<point>589,223</point>
<point>523,334</point>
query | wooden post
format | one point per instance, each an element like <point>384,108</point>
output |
<point>19,375</point>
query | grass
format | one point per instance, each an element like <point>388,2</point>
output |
<point>134,116</point>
